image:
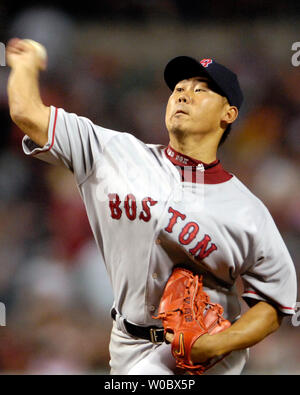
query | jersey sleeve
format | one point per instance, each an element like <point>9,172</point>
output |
<point>74,141</point>
<point>272,276</point>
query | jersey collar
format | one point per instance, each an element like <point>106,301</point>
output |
<point>187,166</point>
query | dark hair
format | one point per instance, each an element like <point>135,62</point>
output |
<point>225,135</point>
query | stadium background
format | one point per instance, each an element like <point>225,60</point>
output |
<point>106,63</point>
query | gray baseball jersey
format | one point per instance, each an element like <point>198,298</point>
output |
<point>151,208</point>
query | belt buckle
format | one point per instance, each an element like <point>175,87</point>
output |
<point>154,335</point>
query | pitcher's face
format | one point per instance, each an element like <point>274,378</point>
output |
<point>194,107</point>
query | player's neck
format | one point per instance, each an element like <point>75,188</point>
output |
<point>204,151</point>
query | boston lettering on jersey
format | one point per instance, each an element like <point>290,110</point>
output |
<point>130,207</point>
<point>188,232</point>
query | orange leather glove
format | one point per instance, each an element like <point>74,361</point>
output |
<point>186,311</point>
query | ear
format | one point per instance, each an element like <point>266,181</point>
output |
<point>231,114</point>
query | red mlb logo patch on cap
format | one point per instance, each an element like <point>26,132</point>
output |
<point>206,62</point>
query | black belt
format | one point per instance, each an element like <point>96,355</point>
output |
<point>153,334</point>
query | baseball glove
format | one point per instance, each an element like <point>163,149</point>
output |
<point>186,311</point>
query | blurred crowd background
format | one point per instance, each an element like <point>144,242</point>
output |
<point>106,62</point>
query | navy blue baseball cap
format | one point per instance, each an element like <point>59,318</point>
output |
<point>225,80</point>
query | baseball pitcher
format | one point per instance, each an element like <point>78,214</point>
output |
<point>175,228</point>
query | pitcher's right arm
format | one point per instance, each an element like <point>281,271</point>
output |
<point>25,105</point>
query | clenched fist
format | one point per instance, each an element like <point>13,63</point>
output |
<point>26,52</point>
